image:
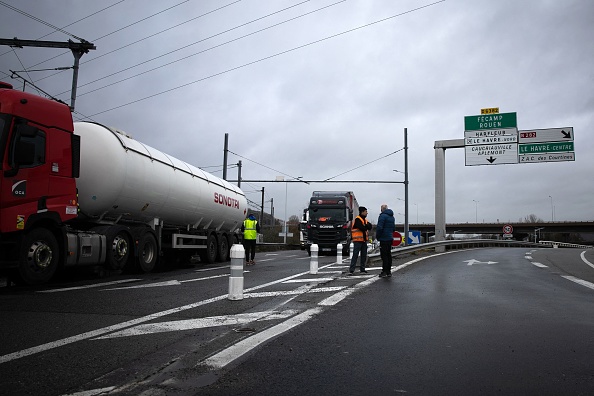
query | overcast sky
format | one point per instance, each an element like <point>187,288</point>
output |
<point>323,90</point>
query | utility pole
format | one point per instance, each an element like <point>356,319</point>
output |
<point>405,186</point>
<point>262,208</point>
<point>225,149</point>
<point>239,174</point>
<point>78,50</point>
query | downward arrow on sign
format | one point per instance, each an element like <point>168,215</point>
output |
<point>491,159</point>
<point>566,135</point>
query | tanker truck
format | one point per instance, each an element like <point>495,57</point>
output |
<point>83,194</point>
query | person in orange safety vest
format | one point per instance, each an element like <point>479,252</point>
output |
<point>359,236</point>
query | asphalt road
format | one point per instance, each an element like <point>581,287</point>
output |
<point>483,321</point>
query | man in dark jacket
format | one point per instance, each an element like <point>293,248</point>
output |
<point>384,233</point>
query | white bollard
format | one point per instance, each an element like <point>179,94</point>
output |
<point>351,247</point>
<point>339,253</point>
<point>313,263</point>
<point>236,276</point>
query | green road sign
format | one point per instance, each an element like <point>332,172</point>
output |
<point>551,147</point>
<point>490,121</point>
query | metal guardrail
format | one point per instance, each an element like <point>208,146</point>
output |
<point>565,245</point>
<point>374,255</point>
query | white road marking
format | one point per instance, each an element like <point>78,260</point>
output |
<point>211,269</point>
<point>200,323</point>
<point>528,257</point>
<point>89,286</point>
<point>309,280</point>
<point>539,265</point>
<point>583,256</point>
<point>579,281</point>
<point>293,292</point>
<point>473,261</point>
<point>332,300</point>
<point>92,392</point>
<point>237,350</point>
<point>168,283</point>
<point>95,333</point>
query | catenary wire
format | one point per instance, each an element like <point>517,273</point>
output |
<point>41,21</point>
<point>266,58</point>
<point>118,30</point>
<point>189,45</point>
<point>79,20</point>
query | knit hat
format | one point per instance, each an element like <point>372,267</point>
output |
<point>362,209</point>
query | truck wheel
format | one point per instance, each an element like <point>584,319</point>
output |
<point>211,249</point>
<point>118,247</point>
<point>39,258</point>
<point>223,249</point>
<point>147,252</point>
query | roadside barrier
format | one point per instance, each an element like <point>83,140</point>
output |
<point>339,253</point>
<point>236,276</point>
<point>313,263</point>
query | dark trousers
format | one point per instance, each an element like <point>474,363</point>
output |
<point>359,247</point>
<point>386,255</point>
<point>250,249</point>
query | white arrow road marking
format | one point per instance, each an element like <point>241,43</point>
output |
<point>169,283</point>
<point>579,281</point>
<point>89,286</point>
<point>473,261</point>
<point>540,265</point>
<point>191,324</point>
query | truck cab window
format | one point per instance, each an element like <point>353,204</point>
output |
<point>27,148</point>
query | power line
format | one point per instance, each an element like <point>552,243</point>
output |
<point>41,21</point>
<point>72,23</point>
<point>360,166</point>
<point>267,58</point>
<point>120,29</point>
<point>196,53</point>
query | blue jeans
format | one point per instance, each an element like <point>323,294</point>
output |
<point>359,247</point>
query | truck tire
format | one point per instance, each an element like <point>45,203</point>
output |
<point>211,249</point>
<point>118,247</point>
<point>147,253</point>
<point>39,257</point>
<point>224,249</point>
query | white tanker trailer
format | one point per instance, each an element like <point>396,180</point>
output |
<point>85,194</point>
<point>128,186</point>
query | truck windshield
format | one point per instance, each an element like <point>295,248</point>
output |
<point>328,214</point>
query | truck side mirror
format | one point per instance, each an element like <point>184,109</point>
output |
<point>25,130</point>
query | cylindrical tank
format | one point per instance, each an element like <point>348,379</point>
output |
<point>120,176</point>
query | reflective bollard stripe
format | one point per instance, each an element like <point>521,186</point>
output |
<point>338,253</point>
<point>236,275</point>
<point>313,263</point>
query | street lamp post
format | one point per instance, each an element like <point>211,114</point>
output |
<point>552,210</point>
<point>475,210</point>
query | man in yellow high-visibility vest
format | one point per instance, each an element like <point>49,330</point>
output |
<point>250,229</point>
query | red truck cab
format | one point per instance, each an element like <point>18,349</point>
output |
<point>39,161</point>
